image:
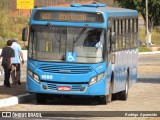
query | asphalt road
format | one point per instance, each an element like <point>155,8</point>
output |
<point>149,59</point>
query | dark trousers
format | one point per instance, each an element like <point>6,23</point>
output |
<point>7,71</point>
<point>16,73</point>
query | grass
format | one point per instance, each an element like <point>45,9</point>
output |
<point>155,37</point>
<point>155,40</point>
<point>13,30</point>
<point>144,49</point>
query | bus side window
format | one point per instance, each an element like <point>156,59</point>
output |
<point>116,31</point>
<point>124,33</point>
<point>113,46</point>
<point>108,36</point>
<point>127,34</point>
<point>120,35</point>
<point>131,33</point>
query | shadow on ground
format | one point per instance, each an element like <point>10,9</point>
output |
<point>6,92</point>
<point>149,80</point>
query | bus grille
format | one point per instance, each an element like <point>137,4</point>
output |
<point>53,86</point>
<point>65,69</point>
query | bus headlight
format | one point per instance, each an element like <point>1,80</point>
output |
<point>34,76</point>
<point>30,73</point>
<point>100,76</point>
<point>95,79</point>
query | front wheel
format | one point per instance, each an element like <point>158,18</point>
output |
<point>41,98</point>
<point>103,100</point>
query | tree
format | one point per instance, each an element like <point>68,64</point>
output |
<point>10,25</point>
<point>140,6</point>
<point>4,13</point>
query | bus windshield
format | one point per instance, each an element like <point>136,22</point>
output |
<point>51,43</point>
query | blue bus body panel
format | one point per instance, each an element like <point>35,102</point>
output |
<point>106,11</point>
<point>125,60</point>
<point>79,77</point>
<point>94,90</point>
<point>116,12</point>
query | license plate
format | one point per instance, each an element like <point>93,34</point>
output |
<point>63,88</point>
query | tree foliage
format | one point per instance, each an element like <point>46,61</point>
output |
<point>10,26</point>
<point>4,22</point>
<point>140,6</point>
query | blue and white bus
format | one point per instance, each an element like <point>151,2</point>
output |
<point>61,64</point>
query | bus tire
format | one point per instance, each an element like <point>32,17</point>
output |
<point>41,98</point>
<point>103,100</point>
<point>124,94</point>
<point>110,96</point>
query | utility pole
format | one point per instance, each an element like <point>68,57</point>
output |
<point>147,23</point>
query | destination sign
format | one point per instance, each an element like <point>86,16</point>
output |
<point>68,16</point>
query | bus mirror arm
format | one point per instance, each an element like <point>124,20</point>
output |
<point>113,38</point>
<point>25,34</point>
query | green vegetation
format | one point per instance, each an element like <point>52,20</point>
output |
<point>155,40</point>
<point>10,26</point>
<point>153,18</point>
<point>155,37</point>
<point>139,5</point>
<point>144,49</point>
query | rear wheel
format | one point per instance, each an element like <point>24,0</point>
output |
<point>103,100</point>
<point>41,98</point>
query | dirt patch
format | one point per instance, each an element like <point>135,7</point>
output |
<point>149,69</point>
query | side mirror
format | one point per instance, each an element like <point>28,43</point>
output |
<point>25,34</point>
<point>113,38</point>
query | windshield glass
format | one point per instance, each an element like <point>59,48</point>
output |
<point>52,43</point>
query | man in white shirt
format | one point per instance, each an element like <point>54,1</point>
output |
<point>15,71</point>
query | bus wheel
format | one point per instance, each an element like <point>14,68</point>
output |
<point>124,94</point>
<point>103,100</point>
<point>111,95</point>
<point>41,98</point>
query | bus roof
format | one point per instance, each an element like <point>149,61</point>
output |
<point>110,11</point>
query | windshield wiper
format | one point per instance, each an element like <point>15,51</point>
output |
<point>79,35</point>
<point>52,30</point>
<point>77,38</point>
<point>60,41</point>
<point>73,42</point>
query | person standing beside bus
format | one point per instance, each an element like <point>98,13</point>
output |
<point>7,54</point>
<point>16,68</point>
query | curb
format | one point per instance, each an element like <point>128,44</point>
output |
<point>16,100</point>
<point>146,53</point>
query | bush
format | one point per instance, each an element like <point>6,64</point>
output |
<point>157,29</point>
<point>11,27</point>
<point>144,49</point>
